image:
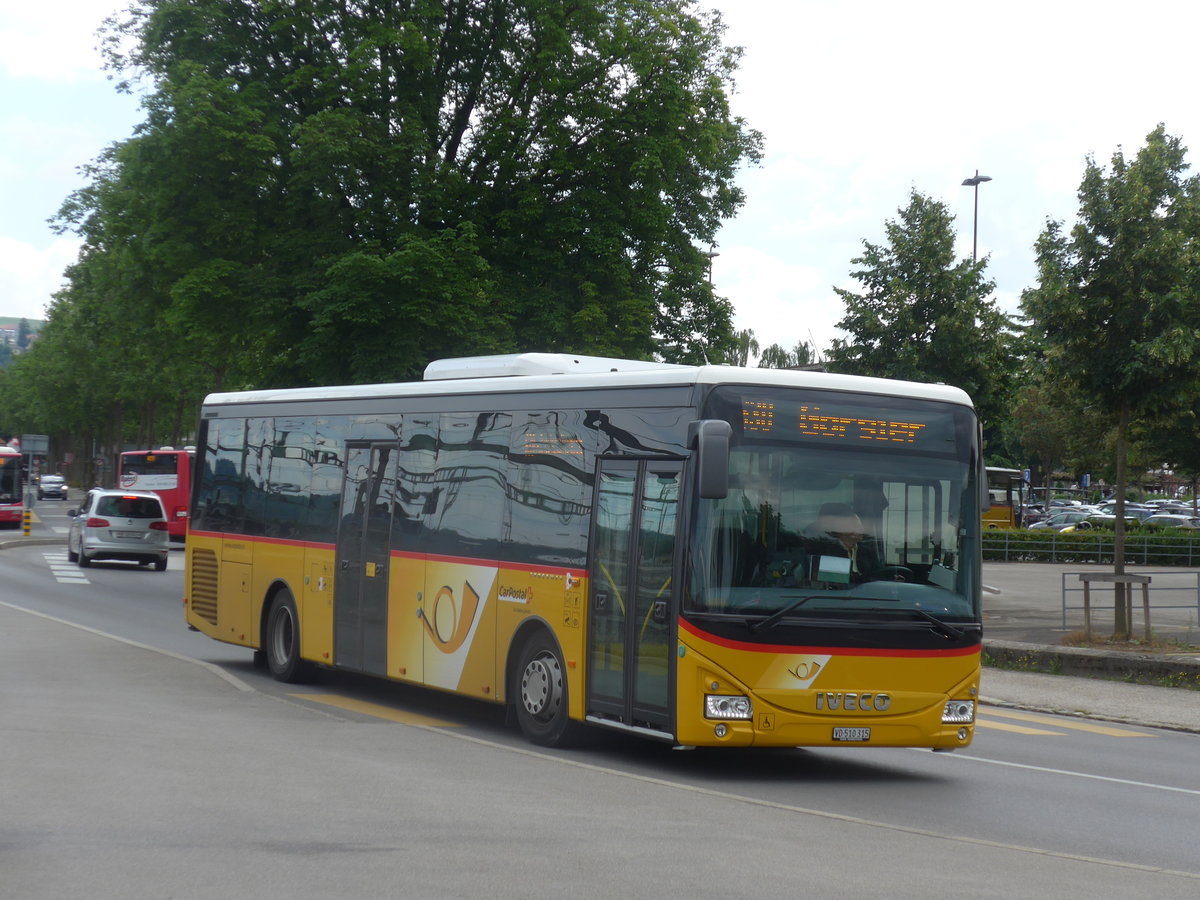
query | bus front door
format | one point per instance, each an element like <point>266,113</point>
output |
<point>360,588</point>
<point>630,676</point>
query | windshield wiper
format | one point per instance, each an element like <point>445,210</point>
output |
<point>759,624</point>
<point>945,629</point>
<point>956,634</point>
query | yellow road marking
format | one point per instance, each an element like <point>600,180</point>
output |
<point>1108,730</point>
<point>376,710</point>
<point>1019,729</point>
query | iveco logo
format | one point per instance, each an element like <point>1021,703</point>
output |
<point>864,702</point>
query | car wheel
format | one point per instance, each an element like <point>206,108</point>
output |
<point>282,643</point>
<point>160,565</point>
<point>84,562</point>
<point>541,693</point>
<point>72,556</point>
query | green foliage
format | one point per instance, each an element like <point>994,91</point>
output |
<point>1117,305</point>
<point>1166,547</point>
<point>326,192</point>
<point>775,357</point>
<point>745,348</point>
<point>923,315</point>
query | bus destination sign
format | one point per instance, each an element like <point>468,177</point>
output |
<point>760,417</point>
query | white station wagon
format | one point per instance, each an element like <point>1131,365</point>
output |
<point>125,525</point>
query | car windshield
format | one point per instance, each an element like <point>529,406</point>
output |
<point>811,525</point>
<point>130,507</point>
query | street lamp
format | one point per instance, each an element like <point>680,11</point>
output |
<point>975,183</point>
<point>710,254</point>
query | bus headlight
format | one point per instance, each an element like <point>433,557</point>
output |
<point>724,706</point>
<point>958,712</point>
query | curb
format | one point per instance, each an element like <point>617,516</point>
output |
<point>1176,670</point>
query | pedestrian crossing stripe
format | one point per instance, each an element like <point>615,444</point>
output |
<point>1081,725</point>
<point>63,570</point>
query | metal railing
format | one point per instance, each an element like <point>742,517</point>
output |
<point>1155,588</point>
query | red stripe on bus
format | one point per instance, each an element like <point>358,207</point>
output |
<point>260,539</point>
<point>836,651</point>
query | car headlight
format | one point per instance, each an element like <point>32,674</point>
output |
<point>957,712</point>
<point>725,706</point>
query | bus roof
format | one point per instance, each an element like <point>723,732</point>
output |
<point>531,372</point>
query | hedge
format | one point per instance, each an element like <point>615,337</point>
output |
<point>1175,548</point>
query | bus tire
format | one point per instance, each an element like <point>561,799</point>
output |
<point>540,686</point>
<point>282,639</point>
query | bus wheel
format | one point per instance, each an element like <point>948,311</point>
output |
<point>282,642</point>
<point>542,693</point>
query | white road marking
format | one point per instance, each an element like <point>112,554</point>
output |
<point>64,571</point>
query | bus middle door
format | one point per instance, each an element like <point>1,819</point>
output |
<point>630,672</point>
<point>361,586</point>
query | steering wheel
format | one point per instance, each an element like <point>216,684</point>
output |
<point>892,573</point>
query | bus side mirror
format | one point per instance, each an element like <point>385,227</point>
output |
<point>710,439</point>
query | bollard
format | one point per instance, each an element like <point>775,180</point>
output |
<point>27,520</point>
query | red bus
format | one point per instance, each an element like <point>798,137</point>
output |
<point>167,472</point>
<point>11,505</point>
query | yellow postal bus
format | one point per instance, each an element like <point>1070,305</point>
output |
<point>701,555</point>
<point>1006,489</point>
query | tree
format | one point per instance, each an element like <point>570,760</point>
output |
<point>1176,439</point>
<point>1039,423</point>
<point>923,316</point>
<point>775,357</point>
<point>745,347</point>
<point>1117,303</point>
<point>327,192</point>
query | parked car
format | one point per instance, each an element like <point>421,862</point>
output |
<point>125,525</point>
<point>1171,520</point>
<point>1060,520</point>
<point>1029,515</point>
<point>1132,510</point>
<point>52,487</point>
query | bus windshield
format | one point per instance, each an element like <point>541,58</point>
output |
<point>10,478</point>
<point>864,505</point>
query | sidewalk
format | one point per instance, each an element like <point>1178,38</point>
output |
<point>1094,698</point>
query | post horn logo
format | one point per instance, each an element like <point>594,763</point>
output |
<point>449,621</point>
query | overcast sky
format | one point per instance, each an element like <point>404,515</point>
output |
<point>859,103</point>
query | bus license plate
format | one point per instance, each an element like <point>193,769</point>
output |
<point>852,734</point>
